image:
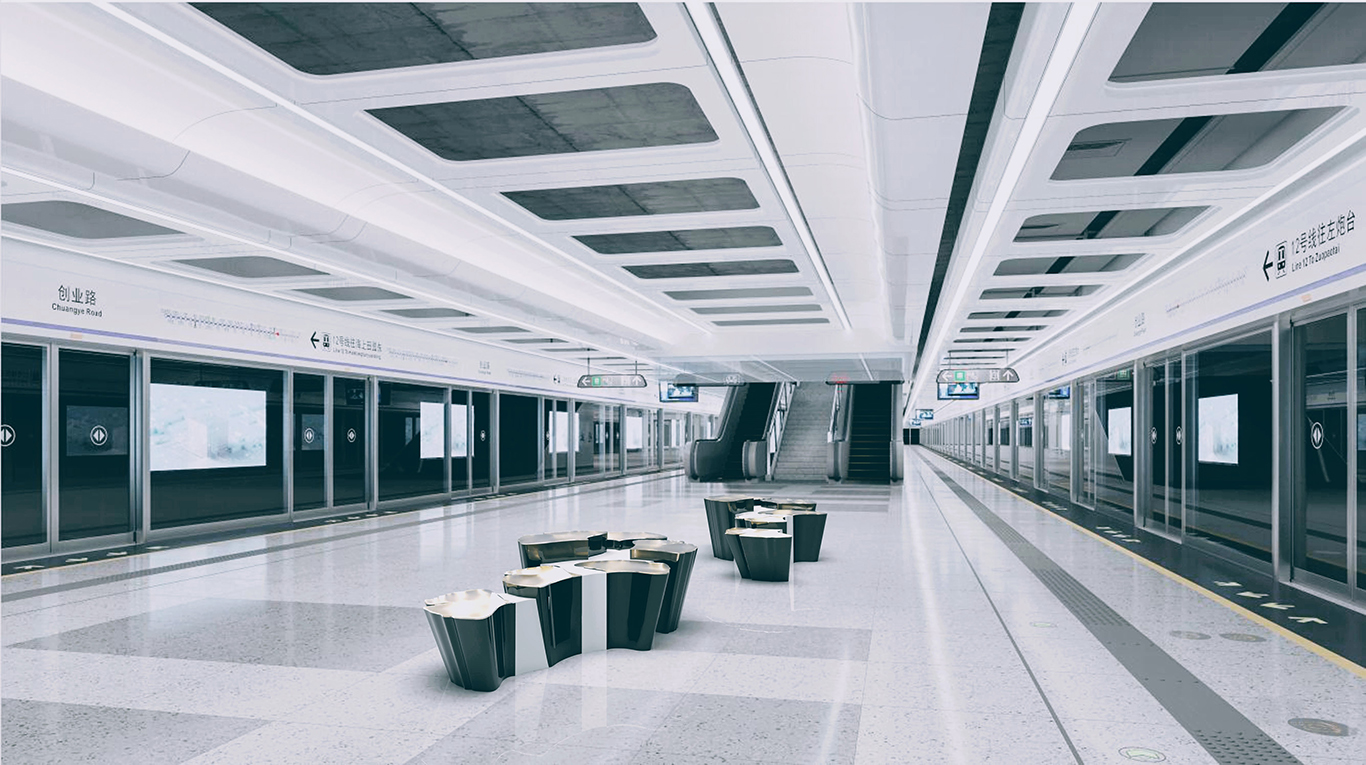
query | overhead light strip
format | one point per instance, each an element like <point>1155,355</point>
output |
<point>1060,61</point>
<point>724,63</point>
<point>323,124</point>
<point>329,267</point>
<point>1144,281</point>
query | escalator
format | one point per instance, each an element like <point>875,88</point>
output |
<point>870,434</point>
<point>744,419</point>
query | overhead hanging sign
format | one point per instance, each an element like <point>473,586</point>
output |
<point>613,381</point>
<point>1002,375</point>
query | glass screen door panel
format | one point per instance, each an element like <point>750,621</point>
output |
<point>585,424</point>
<point>1024,437</point>
<point>559,438</point>
<point>1361,456</point>
<point>1089,438</point>
<point>310,441</point>
<point>1227,453</point>
<point>1003,422</point>
<point>1320,528</point>
<point>1163,438</point>
<point>1112,424</point>
<point>460,440</point>
<point>1158,511</point>
<point>94,445</point>
<point>348,441</point>
<point>23,515</point>
<point>481,444</point>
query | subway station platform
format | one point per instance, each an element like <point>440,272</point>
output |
<point>947,621</point>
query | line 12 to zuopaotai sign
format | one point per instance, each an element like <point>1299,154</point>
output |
<point>613,381</point>
<point>1002,375</point>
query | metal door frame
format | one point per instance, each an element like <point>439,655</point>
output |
<point>1291,403</point>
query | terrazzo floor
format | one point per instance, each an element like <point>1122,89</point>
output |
<point>918,637</point>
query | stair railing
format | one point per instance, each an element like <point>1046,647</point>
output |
<point>761,457</point>
<point>841,414</point>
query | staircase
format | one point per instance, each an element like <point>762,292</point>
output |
<point>803,453</point>
<point>870,434</point>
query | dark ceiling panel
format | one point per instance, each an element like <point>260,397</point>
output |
<point>1179,40</point>
<point>1025,293</point>
<point>1015,328</point>
<point>719,268</point>
<point>336,38</point>
<point>998,40</point>
<point>631,199</point>
<point>766,322</point>
<point>533,340</point>
<point>626,117</point>
<point>1200,144</point>
<point>490,330</point>
<point>1109,224</point>
<point>353,293</point>
<point>757,309</point>
<point>78,221</point>
<point>1017,314</point>
<point>252,267</point>
<point>1080,264</point>
<point>427,313</point>
<point>674,241</point>
<point>740,294</point>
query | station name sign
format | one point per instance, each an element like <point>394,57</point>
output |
<point>613,381</point>
<point>1001,375</point>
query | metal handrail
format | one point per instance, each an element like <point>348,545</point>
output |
<point>839,413</point>
<point>761,457</point>
<point>777,424</point>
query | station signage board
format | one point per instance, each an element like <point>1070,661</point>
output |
<point>924,414</point>
<point>998,375</point>
<point>613,381</point>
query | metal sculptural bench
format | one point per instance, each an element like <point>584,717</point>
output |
<point>557,546</point>
<point>679,556</point>
<point>730,515</point>
<point>721,512</point>
<point>762,554</point>
<point>629,586</point>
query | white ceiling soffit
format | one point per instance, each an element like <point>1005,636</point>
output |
<point>1087,98</point>
<point>799,64</point>
<point>918,65</point>
<point>231,140</point>
<point>674,57</point>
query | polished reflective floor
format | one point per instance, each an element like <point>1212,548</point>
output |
<point>946,622</point>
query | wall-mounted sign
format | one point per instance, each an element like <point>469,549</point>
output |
<point>1002,375</point>
<point>613,381</point>
<point>924,414</point>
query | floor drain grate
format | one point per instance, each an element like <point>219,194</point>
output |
<point>1242,637</point>
<point>1321,727</point>
<point>1243,749</point>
